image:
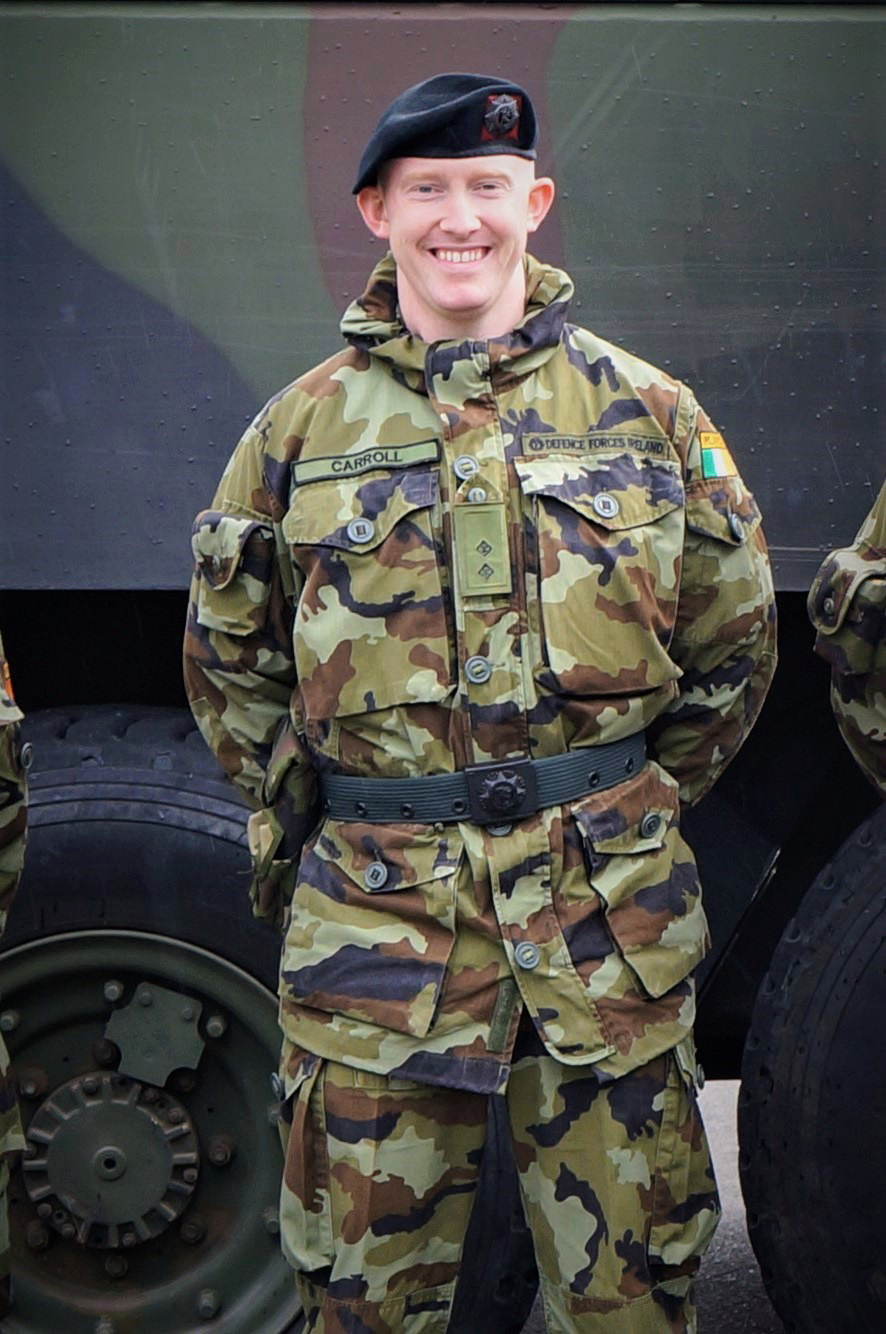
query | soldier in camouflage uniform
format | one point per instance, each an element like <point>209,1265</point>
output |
<point>847,607</point>
<point>480,603</point>
<point>13,795</point>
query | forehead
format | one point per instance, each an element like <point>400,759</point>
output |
<point>506,166</point>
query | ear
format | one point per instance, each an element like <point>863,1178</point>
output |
<point>371,203</point>
<point>541,197</point>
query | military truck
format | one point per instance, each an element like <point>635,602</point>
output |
<point>178,243</point>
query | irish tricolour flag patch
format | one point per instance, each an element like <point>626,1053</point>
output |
<point>716,461</point>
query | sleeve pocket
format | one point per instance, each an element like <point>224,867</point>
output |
<point>233,557</point>
<point>722,509</point>
<point>847,607</point>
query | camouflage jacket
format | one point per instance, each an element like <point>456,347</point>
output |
<point>847,607</point>
<point>562,514</point>
<point>13,793</point>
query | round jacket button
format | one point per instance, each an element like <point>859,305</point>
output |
<point>361,530</point>
<point>499,830</point>
<point>527,955</point>
<point>829,606</point>
<point>650,825</point>
<point>466,467</point>
<point>476,495</point>
<point>26,755</point>
<point>478,670</point>
<point>736,527</point>
<point>375,875</point>
<point>605,506</point>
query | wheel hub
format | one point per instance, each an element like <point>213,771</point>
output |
<point>110,1161</point>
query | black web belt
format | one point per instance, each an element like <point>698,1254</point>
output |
<point>486,794</point>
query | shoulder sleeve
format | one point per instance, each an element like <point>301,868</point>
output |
<point>724,640</point>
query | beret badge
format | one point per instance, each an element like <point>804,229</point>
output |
<point>502,115</point>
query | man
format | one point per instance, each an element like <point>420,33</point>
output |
<point>13,795</point>
<point>847,607</point>
<point>479,602</point>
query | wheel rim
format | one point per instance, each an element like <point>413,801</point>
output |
<point>141,1201</point>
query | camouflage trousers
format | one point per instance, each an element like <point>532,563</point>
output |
<point>380,1174</point>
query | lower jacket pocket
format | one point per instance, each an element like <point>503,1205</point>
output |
<point>372,923</point>
<point>644,875</point>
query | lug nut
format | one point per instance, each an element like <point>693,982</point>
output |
<point>188,1013</point>
<point>221,1150</point>
<point>208,1304</point>
<point>68,1231</point>
<point>89,1084</point>
<point>145,997</point>
<point>104,1052</point>
<point>28,1088</point>
<point>9,1021</point>
<point>129,1239</point>
<point>272,1220</point>
<point>116,1266</point>
<point>151,1094</point>
<point>193,1230</point>
<point>189,1175</point>
<point>216,1026</point>
<point>36,1235</point>
<point>176,1115</point>
<point>44,1210</point>
<point>113,990</point>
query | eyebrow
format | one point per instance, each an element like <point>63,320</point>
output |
<point>421,177</point>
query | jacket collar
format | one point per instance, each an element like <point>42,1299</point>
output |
<point>373,323</point>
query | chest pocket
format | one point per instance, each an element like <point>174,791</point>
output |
<point>370,628</point>
<point>609,536</point>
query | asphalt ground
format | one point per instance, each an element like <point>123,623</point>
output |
<point>729,1292</point>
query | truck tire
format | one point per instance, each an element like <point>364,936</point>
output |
<point>813,1101</point>
<point>135,882</point>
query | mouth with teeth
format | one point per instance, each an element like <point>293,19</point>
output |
<point>472,256</point>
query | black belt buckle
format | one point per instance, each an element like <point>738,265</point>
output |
<point>507,790</point>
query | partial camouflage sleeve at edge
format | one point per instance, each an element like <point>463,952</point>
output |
<point>725,635</point>
<point>13,825</point>
<point>847,607</point>
<point>13,794</point>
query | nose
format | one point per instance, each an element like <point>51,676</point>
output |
<point>460,218</point>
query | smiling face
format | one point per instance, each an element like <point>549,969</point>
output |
<point>457,228</point>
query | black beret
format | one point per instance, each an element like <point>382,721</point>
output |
<point>452,115</point>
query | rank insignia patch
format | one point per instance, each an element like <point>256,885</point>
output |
<point>716,461</point>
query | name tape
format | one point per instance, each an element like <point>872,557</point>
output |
<point>379,456</point>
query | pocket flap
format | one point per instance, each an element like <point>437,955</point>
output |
<point>356,516</point>
<point>615,491</point>
<point>722,508</point>
<point>636,820</point>
<point>384,858</point>
<point>218,542</point>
